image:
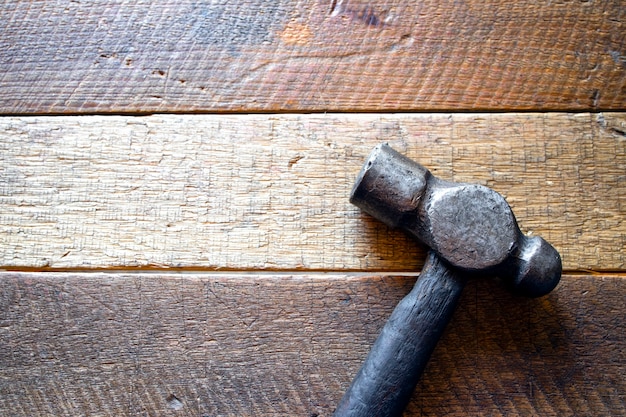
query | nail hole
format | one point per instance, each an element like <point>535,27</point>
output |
<point>174,403</point>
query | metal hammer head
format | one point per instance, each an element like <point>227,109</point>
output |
<point>470,226</point>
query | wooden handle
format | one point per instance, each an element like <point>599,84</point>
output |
<point>387,378</point>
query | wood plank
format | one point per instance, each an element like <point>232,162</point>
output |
<point>248,345</point>
<point>271,192</point>
<point>345,55</point>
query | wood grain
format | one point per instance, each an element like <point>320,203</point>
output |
<point>298,56</point>
<point>271,192</point>
<point>253,193</point>
<point>108,344</point>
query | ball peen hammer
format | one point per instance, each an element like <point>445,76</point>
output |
<point>470,230</point>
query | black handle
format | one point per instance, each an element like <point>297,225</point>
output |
<point>387,378</point>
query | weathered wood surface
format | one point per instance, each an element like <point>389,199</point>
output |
<point>261,192</point>
<point>288,345</point>
<point>271,192</point>
<point>341,55</point>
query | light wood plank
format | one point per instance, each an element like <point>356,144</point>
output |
<point>343,55</point>
<point>288,345</point>
<point>271,192</point>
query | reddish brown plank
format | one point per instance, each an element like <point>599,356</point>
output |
<point>340,55</point>
<point>288,345</point>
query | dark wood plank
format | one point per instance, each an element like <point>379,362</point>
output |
<point>355,55</point>
<point>249,345</point>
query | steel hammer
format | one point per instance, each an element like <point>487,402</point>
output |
<point>470,230</point>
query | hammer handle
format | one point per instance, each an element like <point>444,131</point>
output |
<point>387,378</point>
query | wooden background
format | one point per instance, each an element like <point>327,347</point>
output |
<point>175,235</point>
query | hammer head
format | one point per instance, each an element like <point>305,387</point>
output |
<point>470,226</point>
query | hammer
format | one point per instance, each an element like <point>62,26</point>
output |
<point>470,230</point>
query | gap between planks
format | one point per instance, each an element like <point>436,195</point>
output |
<point>272,273</point>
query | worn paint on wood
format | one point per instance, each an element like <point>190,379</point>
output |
<point>271,192</point>
<point>277,345</point>
<point>340,55</point>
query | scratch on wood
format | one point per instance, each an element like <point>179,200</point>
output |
<point>595,97</point>
<point>366,15</point>
<point>618,131</point>
<point>333,6</point>
<point>174,403</point>
<point>294,160</point>
<point>605,125</point>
